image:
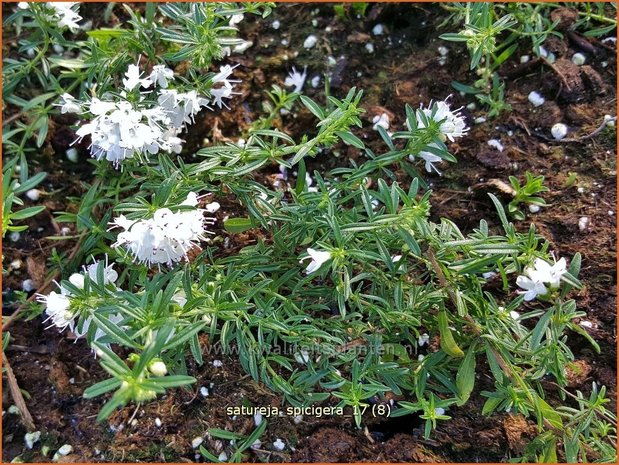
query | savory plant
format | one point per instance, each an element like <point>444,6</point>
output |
<point>349,279</point>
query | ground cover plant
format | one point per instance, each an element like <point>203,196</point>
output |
<point>266,232</point>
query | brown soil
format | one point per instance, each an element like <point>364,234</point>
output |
<point>404,70</point>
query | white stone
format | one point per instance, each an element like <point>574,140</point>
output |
<point>586,324</point>
<point>275,24</point>
<point>536,99</point>
<point>583,222</point>
<point>204,391</point>
<point>16,264</point>
<point>314,22</point>
<point>14,236</point>
<point>315,81</point>
<point>223,457</point>
<point>443,51</point>
<point>279,444</point>
<point>581,190</point>
<point>480,119</point>
<point>197,441</point>
<point>218,363</point>
<point>72,155</point>
<point>310,41</point>
<point>58,48</point>
<point>369,47</point>
<point>297,419</point>
<point>534,208</point>
<point>158,422</point>
<point>27,285</point>
<point>495,143</point>
<point>378,30</point>
<point>559,131</point>
<point>257,419</point>
<point>66,449</point>
<point>257,444</point>
<point>439,411</point>
<point>31,438</point>
<point>515,315</point>
<point>524,59</point>
<point>33,194</point>
<point>578,59</point>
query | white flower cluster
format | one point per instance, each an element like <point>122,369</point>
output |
<point>120,129</point>
<point>58,304</point>
<point>452,126</point>
<point>535,279</point>
<point>60,12</point>
<point>167,236</point>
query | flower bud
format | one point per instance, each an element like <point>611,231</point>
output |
<point>158,368</point>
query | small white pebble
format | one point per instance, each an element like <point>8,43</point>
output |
<point>14,236</point>
<point>495,143</point>
<point>223,457</point>
<point>315,81</point>
<point>204,391</point>
<point>378,30</point>
<point>257,419</point>
<point>314,22</point>
<point>611,213</point>
<point>65,230</point>
<point>66,449</point>
<point>534,208</point>
<point>279,444</point>
<point>559,131</point>
<point>72,155</point>
<point>443,51</point>
<point>488,275</point>
<point>369,47</point>
<point>58,48</point>
<point>257,444</point>
<point>331,61</point>
<point>479,120</point>
<point>71,380</point>
<point>297,419</point>
<point>609,40</point>
<point>33,194</point>
<point>609,120</point>
<point>16,264</point>
<point>581,190</point>
<point>284,42</point>
<point>134,422</point>
<point>586,323</point>
<point>524,59</point>
<point>420,357</point>
<point>310,41</point>
<point>218,363</point>
<point>31,438</point>
<point>536,99</point>
<point>543,52</point>
<point>242,46</point>
<point>578,59</point>
<point>197,441</point>
<point>275,24</point>
<point>583,222</point>
<point>439,411</point>
<point>158,422</point>
<point>515,315</point>
<point>31,52</point>
<point>382,121</point>
<point>471,106</point>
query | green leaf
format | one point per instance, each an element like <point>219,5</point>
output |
<point>238,225</point>
<point>26,213</point>
<point>313,107</point>
<point>101,388</point>
<point>465,378</point>
<point>350,139</point>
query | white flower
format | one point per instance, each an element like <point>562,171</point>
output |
<point>133,80</point>
<point>318,258</point>
<point>166,237</point>
<point>452,124</point>
<point>544,272</point>
<point>160,75</point>
<point>69,104</point>
<point>296,79</point>
<point>57,309</point>
<point>531,288</point>
<point>429,158</point>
